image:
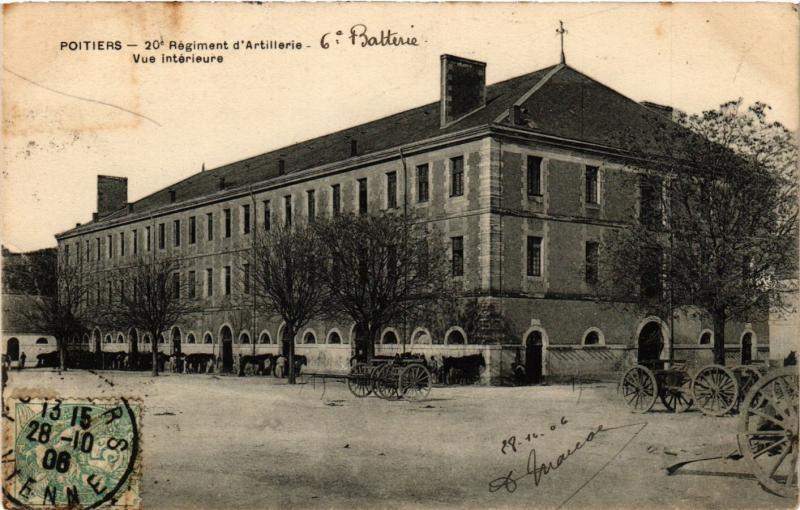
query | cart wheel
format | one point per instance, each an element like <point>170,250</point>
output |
<point>359,382</point>
<point>249,369</point>
<point>639,389</point>
<point>279,370</point>
<point>715,390</point>
<point>677,392</point>
<point>415,382</point>
<point>748,376</point>
<point>382,383</point>
<point>768,429</point>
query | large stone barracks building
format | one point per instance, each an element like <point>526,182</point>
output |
<point>525,177</point>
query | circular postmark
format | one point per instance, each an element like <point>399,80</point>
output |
<point>69,452</point>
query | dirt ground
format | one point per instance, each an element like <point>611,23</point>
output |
<point>230,442</point>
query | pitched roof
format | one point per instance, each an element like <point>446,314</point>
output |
<point>558,100</point>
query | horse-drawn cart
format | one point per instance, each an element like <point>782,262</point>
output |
<point>404,377</point>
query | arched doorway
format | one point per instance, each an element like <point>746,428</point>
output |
<point>134,337</point>
<point>747,348</point>
<point>176,349</point>
<point>227,350</point>
<point>12,349</point>
<point>97,341</point>
<point>534,357</point>
<point>651,342</point>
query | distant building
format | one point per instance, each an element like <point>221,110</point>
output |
<point>19,293</point>
<point>525,177</point>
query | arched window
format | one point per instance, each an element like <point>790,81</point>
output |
<point>593,336</point>
<point>120,339</point>
<point>421,336</point>
<point>334,338</point>
<point>208,339</point>
<point>244,338</point>
<point>41,340</point>
<point>147,338</point>
<point>309,338</point>
<point>389,337</point>
<point>107,339</point>
<point>264,338</point>
<point>706,337</point>
<point>455,337</point>
<point>161,339</point>
<point>190,338</point>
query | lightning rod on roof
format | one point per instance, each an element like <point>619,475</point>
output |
<point>561,31</point>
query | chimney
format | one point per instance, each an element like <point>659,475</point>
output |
<point>77,225</point>
<point>221,183</point>
<point>666,111</point>
<point>463,87</point>
<point>353,148</point>
<point>281,166</point>
<point>112,194</point>
<point>130,207</point>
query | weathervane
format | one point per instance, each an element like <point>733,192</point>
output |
<point>561,31</point>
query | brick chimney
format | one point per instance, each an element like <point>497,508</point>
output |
<point>112,194</point>
<point>463,87</point>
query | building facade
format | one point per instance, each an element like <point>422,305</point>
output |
<point>525,178</point>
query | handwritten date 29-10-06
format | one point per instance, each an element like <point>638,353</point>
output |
<point>510,444</point>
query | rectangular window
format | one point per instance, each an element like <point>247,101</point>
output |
<point>287,210</point>
<point>457,176</point>
<point>147,235</point>
<point>66,254</point>
<point>192,285</point>
<point>122,244</point>
<point>135,241</point>
<point>210,226</point>
<point>109,292</point>
<point>192,230</point>
<point>246,219</point>
<point>592,261</point>
<point>227,280</point>
<point>534,256</point>
<point>88,251</point>
<point>227,222</point>
<point>534,176</point>
<point>246,278</point>
<point>311,200</point>
<point>651,267</point>
<point>391,190</point>
<point>591,185</point>
<point>336,199</point>
<point>176,232</point>
<point>362,196</point>
<point>110,242</point>
<point>267,215</point>
<point>422,183</point>
<point>162,236</point>
<point>176,285</point>
<point>650,190</point>
<point>458,255</point>
<point>209,282</point>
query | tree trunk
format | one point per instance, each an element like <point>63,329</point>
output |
<point>365,347</point>
<point>289,334</point>
<point>719,338</point>
<point>154,345</point>
<point>62,355</point>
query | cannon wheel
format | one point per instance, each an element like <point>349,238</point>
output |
<point>715,390</point>
<point>382,383</point>
<point>639,389</point>
<point>748,377</point>
<point>676,394</point>
<point>250,369</point>
<point>768,428</point>
<point>360,383</point>
<point>279,368</point>
<point>415,382</point>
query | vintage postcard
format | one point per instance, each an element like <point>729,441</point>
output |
<point>399,255</point>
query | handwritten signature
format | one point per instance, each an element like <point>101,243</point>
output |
<point>539,471</point>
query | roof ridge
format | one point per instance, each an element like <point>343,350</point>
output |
<point>524,97</point>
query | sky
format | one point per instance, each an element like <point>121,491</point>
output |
<point>69,115</point>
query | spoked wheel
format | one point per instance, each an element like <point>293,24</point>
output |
<point>360,383</point>
<point>383,384</point>
<point>677,392</point>
<point>715,390</point>
<point>415,382</point>
<point>639,389</point>
<point>768,429</point>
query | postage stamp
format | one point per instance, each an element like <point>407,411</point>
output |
<point>76,453</point>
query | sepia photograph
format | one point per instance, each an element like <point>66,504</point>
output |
<point>399,255</point>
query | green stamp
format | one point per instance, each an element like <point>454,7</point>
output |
<point>71,453</point>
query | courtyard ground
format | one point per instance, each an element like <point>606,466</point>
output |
<point>231,442</point>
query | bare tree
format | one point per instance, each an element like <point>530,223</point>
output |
<point>151,295</point>
<point>287,269</point>
<point>384,269</point>
<point>716,229</point>
<point>58,299</point>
